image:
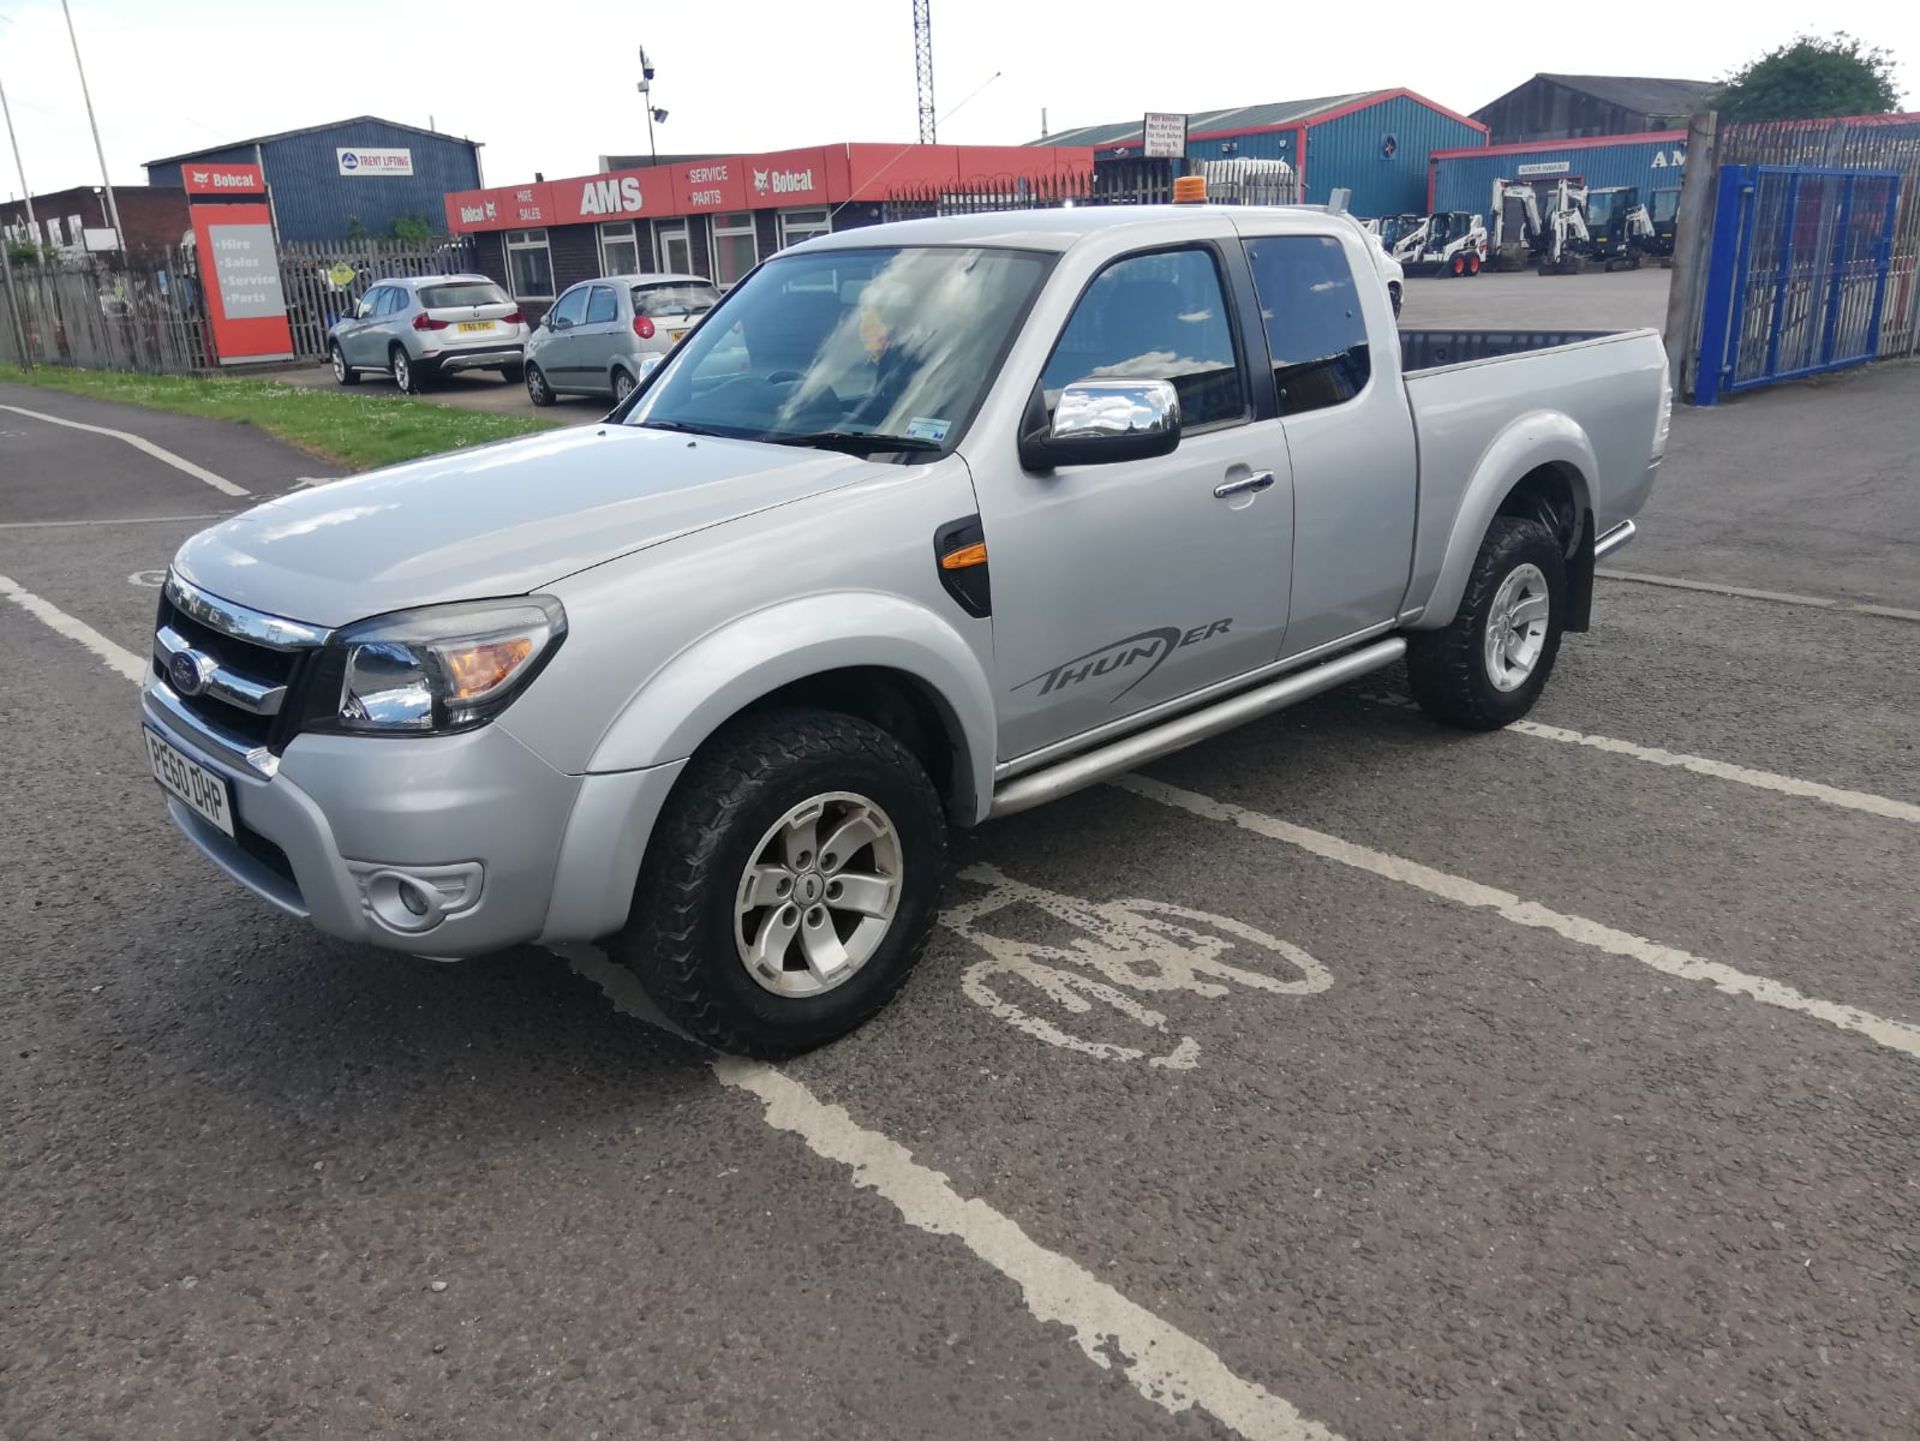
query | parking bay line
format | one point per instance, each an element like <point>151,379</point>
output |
<point>1672,961</point>
<point>1163,1363</point>
<point>141,443</point>
<point>109,520</point>
<point>1864,801</point>
<point>1772,597</point>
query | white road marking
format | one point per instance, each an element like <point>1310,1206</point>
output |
<point>1136,945</point>
<point>1866,801</point>
<point>1894,1035</point>
<point>108,520</point>
<point>1163,1364</point>
<point>1773,597</point>
<point>118,658</point>
<point>141,443</point>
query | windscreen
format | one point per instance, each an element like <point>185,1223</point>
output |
<point>1601,205</point>
<point>899,343</point>
<point>674,297</point>
<point>462,292</point>
<point>1665,206</point>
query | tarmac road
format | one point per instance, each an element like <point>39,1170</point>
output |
<point>1339,1077</point>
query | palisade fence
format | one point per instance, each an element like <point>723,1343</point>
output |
<point>1138,182</point>
<point>1870,142</point>
<point>1792,248</point>
<point>148,312</point>
<point>314,276</point>
<point>139,315</point>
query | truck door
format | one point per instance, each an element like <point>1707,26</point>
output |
<point>1120,586</point>
<point>1349,430</point>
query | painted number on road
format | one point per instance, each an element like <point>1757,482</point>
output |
<point>152,579</point>
<point>1122,951</point>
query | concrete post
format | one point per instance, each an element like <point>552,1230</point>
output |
<point>1693,243</point>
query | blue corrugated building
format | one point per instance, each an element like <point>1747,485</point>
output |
<point>1374,143</point>
<point>1463,179</point>
<point>324,177</point>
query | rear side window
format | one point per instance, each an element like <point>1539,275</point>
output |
<point>1161,316</point>
<point>1315,329</point>
<point>602,305</point>
<point>462,292</point>
<point>395,302</point>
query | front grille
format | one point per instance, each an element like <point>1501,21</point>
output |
<point>263,665</point>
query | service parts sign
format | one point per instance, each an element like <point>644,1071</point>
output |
<point>240,273</point>
<point>223,179</point>
<point>375,162</point>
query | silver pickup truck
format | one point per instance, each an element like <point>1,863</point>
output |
<point>925,524</point>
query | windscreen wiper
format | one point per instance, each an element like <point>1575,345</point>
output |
<point>684,428</point>
<point>855,442</point>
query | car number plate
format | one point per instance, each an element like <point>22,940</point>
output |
<point>206,793</point>
<point>676,335</point>
<point>475,325</point>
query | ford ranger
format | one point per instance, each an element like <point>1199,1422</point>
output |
<point>924,524</point>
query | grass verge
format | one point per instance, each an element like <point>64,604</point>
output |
<point>359,431</point>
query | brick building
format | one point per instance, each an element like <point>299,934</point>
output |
<point>155,220</point>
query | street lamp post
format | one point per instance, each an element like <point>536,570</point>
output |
<point>113,210</point>
<point>654,112</point>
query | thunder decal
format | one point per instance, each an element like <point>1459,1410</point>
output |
<point>1149,647</point>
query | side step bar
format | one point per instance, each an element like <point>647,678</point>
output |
<point>1607,544</point>
<point>1135,750</point>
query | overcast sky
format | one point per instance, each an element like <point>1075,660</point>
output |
<point>549,86</point>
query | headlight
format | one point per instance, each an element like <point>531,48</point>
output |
<point>437,669</point>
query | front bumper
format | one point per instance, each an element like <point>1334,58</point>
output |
<point>510,849</point>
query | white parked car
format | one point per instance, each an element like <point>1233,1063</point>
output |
<point>420,326</point>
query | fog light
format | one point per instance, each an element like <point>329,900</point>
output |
<point>417,898</point>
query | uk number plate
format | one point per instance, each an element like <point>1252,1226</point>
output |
<point>475,325</point>
<point>676,335</point>
<point>206,794</point>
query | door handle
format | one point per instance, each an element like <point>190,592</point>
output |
<point>1246,485</point>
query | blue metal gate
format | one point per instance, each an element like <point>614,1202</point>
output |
<point>1798,274</point>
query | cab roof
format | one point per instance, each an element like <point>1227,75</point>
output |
<point>1059,229</point>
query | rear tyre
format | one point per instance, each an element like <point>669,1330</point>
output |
<point>538,391</point>
<point>1487,668</point>
<point>1458,265</point>
<point>790,885</point>
<point>406,375</point>
<point>343,373</point>
<point>1473,265</point>
<point>622,385</point>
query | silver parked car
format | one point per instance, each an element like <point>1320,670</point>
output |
<point>603,335</point>
<point>426,325</point>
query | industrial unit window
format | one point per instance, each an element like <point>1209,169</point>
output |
<point>619,248</point>
<point>735,251</point>
<point>676,250</point>
<point>799,225</point>
<point>1314,327</point>
<point>530,264</point>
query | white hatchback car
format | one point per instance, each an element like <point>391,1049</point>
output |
<point>603,335</point>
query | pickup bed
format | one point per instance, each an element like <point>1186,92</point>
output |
<point>924,524</point>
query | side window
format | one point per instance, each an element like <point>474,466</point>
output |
<point>572,307</point>
<point>1161,316</point>
<point>603,306</point>
<point>1315,330</point>
<point>376,301</point>
<point>396,301</point>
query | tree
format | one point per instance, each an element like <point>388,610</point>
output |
<point>411,228</point>
<point>1812,78</point>
<point>356,228</point>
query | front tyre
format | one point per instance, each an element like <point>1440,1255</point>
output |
<point>1488,666</point>
<point>790,885</point>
